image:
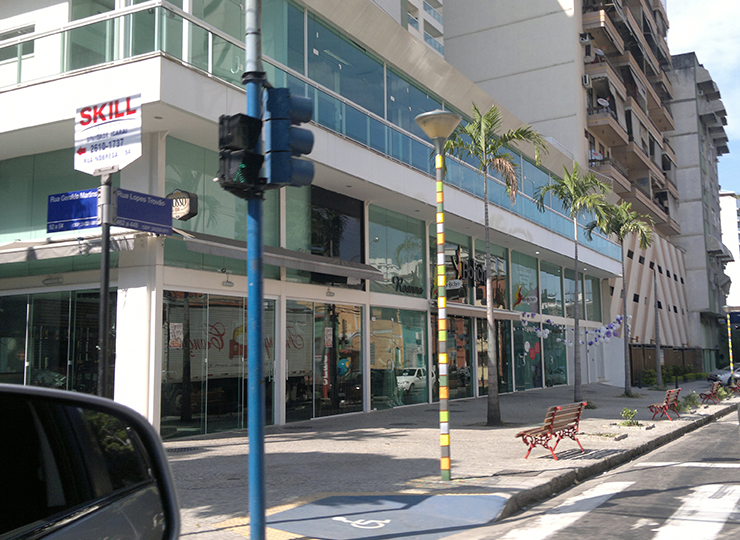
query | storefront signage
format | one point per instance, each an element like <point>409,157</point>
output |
<point>466,270</point>
<point>184,204</point>
<point>108,134</point>
<point>403,288</point>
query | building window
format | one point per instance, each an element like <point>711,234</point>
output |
<point>10,53</point>
<point>82,9</point>
<point>499,257</point>
<point>667,273</point>
<point>660,269</point>
<point>630,254</point>
<point>652,265</point>
<point>660,305</point>
<point>592,298</point>
<point>524,283</point>
<point>675,310</point>
<point>325,223</point>
<point>641,260</point>
<point>636,298</point>
<point>397,250</point>
<point>552,289</point>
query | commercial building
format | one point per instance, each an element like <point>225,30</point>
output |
<point>349,295</point>
<point>598,77</point>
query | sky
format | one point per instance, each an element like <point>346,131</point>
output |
<point>710,29</point>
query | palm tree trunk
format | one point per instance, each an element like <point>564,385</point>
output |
<point>494,407</point>
<point>626,334</point>
<point>576,327</point>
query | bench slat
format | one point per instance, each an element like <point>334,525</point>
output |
<point>560,421</point>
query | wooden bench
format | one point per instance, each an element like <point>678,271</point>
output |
<point>711,395</point>
<point>670,403</point>
<point>734,387</point>
<point>560,422</point>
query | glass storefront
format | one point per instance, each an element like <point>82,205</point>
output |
<point>204,363</point>
<point>459,356</point>
<point>554,356</point>
<point>502,332</point>
<point>524,285</point>
<point>323,360</point>
<point>498,275</point>
<point>552,289</point>
<point>51,340</point>
<point>398,360</point>
<point>527,356</point>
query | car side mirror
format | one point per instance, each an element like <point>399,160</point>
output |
<point>78,466</point>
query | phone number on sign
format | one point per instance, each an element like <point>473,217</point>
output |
<point>105,145</point>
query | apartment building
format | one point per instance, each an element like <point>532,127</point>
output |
<point>597,77</point>
<point>349,290</point>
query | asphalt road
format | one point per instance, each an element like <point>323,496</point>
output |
<point>689,489</point>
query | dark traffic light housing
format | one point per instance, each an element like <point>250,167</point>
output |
<point>240,161</point>
<point>284,142</point>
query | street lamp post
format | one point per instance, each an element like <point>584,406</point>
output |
<point>439,125</point>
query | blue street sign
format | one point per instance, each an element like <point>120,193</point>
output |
<point>79,210</point>
<point>72,211</point>
<point>144,212</point>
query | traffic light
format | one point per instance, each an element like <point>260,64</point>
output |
<point>283,141</point>
<point>239,159</point>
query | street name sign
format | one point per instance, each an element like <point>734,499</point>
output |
<point>79,210</point>
<point>72,211</point>
<point>108,135</point>
<point>144,212</point>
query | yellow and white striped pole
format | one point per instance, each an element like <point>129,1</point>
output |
<point>439,125</point>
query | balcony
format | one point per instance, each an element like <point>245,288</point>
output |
<point>436,15</point>
<point>434,43</point>
<point>652,99</point>
<point>614,171</point>
<point>663,83</point>
<point>602,122</point>
<point>642,203</point>
<point>413,22</point>
<point>638,112</point>
<point>603,70</point>
<point>662,118</point>
<point>605,34</point>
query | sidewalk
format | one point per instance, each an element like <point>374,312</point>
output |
<point>376,475</point>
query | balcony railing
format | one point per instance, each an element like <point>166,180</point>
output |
<point>98,45</point>
<point>433,12</point>
<point>592,111</point>
<point>600,164</point>
<point>434,43</point>
<point>413,21</point>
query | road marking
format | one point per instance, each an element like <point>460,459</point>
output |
<point>364,523</point>
<point>699,464</point>
<point>703,513</point>
<point>568,513</point>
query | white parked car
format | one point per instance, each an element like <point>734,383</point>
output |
<point>723,375</point>
<point>411,379</point>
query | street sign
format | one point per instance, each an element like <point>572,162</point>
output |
<point>108,135</point>
<point>139,211</point>
<point>144,212</point>
<point>72,211</point>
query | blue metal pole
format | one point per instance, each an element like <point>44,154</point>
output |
<point>255,381</point>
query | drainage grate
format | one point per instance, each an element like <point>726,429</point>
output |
<point>182,449</point>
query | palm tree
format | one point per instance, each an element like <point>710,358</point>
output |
<point>621,221</point>
<point>479,139</point>
<point>580,196</point>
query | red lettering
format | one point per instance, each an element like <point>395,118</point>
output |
<point>129,110</point>
<point>85,114</point>
<point>117,113</point>
<point>98,112</point>
<point>110,110</point>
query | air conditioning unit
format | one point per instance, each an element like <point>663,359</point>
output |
<point>586,81</point>
<point>585,38</point>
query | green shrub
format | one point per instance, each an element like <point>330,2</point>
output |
<point>688,401</point>
<point>649,377</point>
<point>629,417</point>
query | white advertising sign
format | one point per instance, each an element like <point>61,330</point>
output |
<point>108,135</point>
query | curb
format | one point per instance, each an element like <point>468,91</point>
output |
<point>564,481</point>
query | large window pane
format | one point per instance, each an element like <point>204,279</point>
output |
<point>498,275</point>
<point>405,102</point>
<point>397,250</point>
<point>226,15</point>
<point>459,268</point>
<point>502,336</point>
<point>593,298</point>
<point>552,289</point>
<point>398,361</point>
<point>570,294</point>
<point>554,356</point>
<point>527,356</point>
<point>13,338</point>
<point>459,356</point>
<point>282,33</point>
<point>524,285</point>
<point>344,68</point>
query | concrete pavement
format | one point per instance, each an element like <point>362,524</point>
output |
<point>376,475</point>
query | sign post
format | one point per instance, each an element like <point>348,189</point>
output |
<point>107,138</point>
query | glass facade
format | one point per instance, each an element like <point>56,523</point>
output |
<point>551,280</point>
<point>593,298</point>
<point>554,356</point>
<point>502,333</point>
<point>570,294</point>
<point>524,285</point>
<point>459,268</point>
<point>398,360</point>
<point>51,339</point>
<point>459,356</point>
<point>396,248</point>
<point>323,360</point>
<point>499,280</point>
<point>204,375</point>
<point>527,356</point>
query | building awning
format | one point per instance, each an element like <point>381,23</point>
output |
<point>466,310</point>
<point>37,250</point>
<point>719,250</point>
<point>286,258</point>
